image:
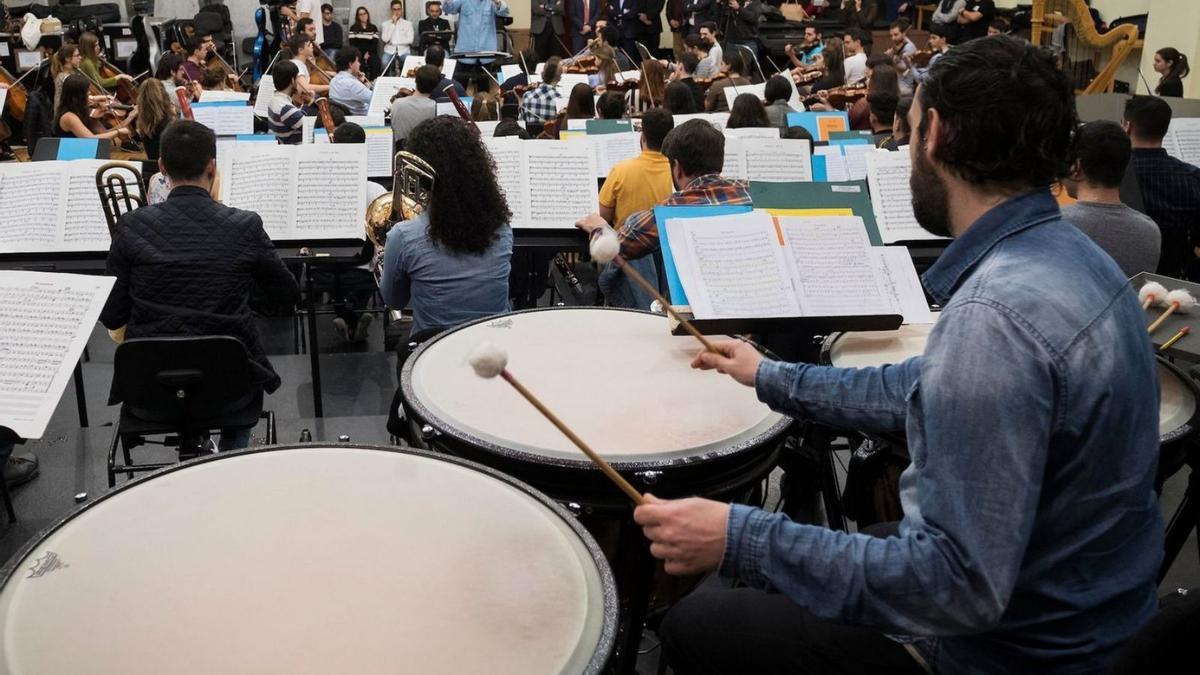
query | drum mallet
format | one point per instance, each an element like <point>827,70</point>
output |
<point>1151,294</point>
<point>1179,300</point>
<point>605,247</point>
<point>1175,338</point>
<point>489,360</point>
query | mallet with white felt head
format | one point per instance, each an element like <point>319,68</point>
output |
<point>1177,301</point>
<point>1151,294</point>
<point>489,360</point>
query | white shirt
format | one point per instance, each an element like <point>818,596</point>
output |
<point>856,69</point>
<point>397,36</point>
<point>303,69</point>
<point>717,55</point>
<point>313,9</point>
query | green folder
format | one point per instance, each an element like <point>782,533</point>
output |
<point>851,195</point>
<point>598,127</point>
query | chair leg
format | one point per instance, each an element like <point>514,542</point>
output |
<point>1185,519</point>
<point>112,456</point>
<point>7,498</point>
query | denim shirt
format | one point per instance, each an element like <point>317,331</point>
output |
<point>1031,536</point>
<point>446,289</point>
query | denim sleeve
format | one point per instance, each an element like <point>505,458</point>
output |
<point>982,416</point>
<point>866,399</point>
<point>394,286</point>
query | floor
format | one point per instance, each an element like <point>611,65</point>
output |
<point>358,382</point>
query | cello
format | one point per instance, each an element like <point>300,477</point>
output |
<point>261,54</point>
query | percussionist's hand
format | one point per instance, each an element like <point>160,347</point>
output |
<point>737,359</point>
<point>688,535</point>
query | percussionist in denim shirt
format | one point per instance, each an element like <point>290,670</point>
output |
<point>1031,535</point>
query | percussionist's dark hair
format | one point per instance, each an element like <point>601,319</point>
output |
<point>1006,110</point>
<point>468,209</point>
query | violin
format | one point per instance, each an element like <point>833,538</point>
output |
<point>841,97</point>
<point>551,128</point>
<point>921,59</point>
<point>18,96</point>
<point>586,65</point>
<point>217,64</point>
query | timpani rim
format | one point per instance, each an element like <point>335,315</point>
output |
<point>1191,386</point>
<point>760,434</point>
<point>608,628</point>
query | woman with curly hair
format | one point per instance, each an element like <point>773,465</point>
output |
<point>451,262</point>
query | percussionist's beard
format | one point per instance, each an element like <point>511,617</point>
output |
<point>930,199</point>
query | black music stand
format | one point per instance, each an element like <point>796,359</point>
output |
<point>436,37</point>
<point>49,149</point>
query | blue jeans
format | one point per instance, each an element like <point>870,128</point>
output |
<point>234,439</point>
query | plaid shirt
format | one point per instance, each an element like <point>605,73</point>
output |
<point>538,104</point>
<point>639,236</point>
<point>1171,193</point>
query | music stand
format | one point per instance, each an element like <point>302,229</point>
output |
<point>437,37</point>
<point>49,149</point>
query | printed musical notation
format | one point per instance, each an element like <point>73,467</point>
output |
<point>548,184</point>
<point>1183,140</point>
<point>45,321</point>
<point>891,196</point>
<point>52,207</point>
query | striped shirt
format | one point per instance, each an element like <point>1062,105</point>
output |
<point>285,120</point>
<point>639,237</point>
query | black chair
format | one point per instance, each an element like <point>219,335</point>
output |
<point>183,388</point>
<point>214,17</point>
<point>1168,642</point>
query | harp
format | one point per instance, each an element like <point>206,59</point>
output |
<point>1089,58</point>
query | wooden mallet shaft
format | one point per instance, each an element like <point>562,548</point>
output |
<point>1166,313</point>
<point>641,281</point>
<point>587,450</point>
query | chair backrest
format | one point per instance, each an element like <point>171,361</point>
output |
<point>178,379</point>
<point>1166,642</point>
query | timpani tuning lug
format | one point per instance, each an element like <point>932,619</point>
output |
<point>649,477</point>
<point>428,433</point>
<point>305,436</point>
<point>344,438</point>
<point>575,508</point>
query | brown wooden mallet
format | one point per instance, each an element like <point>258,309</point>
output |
<point>1176,301</point>
<point>489,360</point>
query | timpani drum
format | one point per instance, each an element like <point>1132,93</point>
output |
<point>311,559</point>
<point>619,379</point>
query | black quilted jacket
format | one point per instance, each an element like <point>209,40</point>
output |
<point>185,267</point>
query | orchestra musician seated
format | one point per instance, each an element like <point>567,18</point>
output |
<point>739,69</point>
<point>409,111</point>
<point>436,56</point>
<point>527,60</point>
<point>300,46</point>
<point>285,118</point>
<point>510,128</point>
<point>540,103</point>
<point>611,106</point>
<point>348,88</point>
<point>900,129</point>
<point>882,105</point>
<point>194,52</point>
<point>89,47</point>
<point>74,119</point>
<point>777,93</point>
<point>649,92</point>
<point>748,111</point>
<point>685,72</point>
<point>637,184</point>
<point>155,111</point>
<point>186,267</point>
<point>581,105</point>
<point>706,68</point>
<point>433,22</point>
<point>451,263</point>
<point>678,99</point>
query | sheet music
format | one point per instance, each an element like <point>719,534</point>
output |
<point>567,81</point>
<point>561,182</point>
<point>225,119</point>
<point>3,96</point>
<point>733,266</point>
<point>901,285</point>
<point>612,149</point>
<point>717,119</point>
<point>831,266</point>
<point>731,93</point>
<point>262,99</point>
<point>1183,139</point>
<point>259,178</point>
<point>214,95</point>
<point>735,159</point>
<point>337,172</point>
<point>510,174</point>
<point>835,162</point>
<point>53,206</point>
<point>752,132</point>
<point>414,61</point>
<point>510,70</point>
<point>384,88</point>
<point>856,159</point>
<point>776,160</point>
<point>891,197</point>
<point>45,321</point>
<point>488,129</point>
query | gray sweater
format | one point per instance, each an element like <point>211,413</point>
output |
<point>1129,237</point>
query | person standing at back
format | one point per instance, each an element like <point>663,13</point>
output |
<point>1170,187</point>
<point>546,24</point>
<point>1099,155</point>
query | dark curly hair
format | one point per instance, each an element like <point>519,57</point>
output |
<point>1007,114</point>
<point>468,208</point>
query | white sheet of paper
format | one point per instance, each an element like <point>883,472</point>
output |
<point>225,120</point>
<point>831,268</point>
<point>856,159</point>
<point>510,70</point>
<point>488,129</point>
<point>612,149</point>
<point>383,90</point>
<point>45,321</point>
<point>835,162</point>
<point>4,52</point>
<point>718,119</point>
<point>262,100</point>
<point>567,81</point>
<point>209,96</point>
<point>891,197</point>
<point>1183,139</point>
<point>735,160</point>
<point>52,206</point>
<point>379,149</point>
<point>901,285</point>
<point>752,132</point>
<point>508,155</point>
<point>731,93</point>
<point>577,125</point>
<point>446,108</point>
<point>561,182</point>
<point>777,160</point>
<point>629,76</point>
<point>414,61</point>
<point>734,266</point>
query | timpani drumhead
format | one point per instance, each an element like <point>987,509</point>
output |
<point>1176,402</point>
<point>618,378</point>
<point>311,559</point>
<point>878,348</point>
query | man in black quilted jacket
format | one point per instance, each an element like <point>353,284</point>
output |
<point>186,266</point>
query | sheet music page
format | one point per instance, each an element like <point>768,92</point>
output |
<point>777,160</point>
<point>731,93</point>
<point>856,159</point>
<point>561,182</point>
<point>379,148</point>
<point>260,178</point>
<point>335,173</point>
<point>901,285</point>
<point>262,99</point>
<point>829,257</point>
<point>224,119</point>
<point>384,88</point>
<point>612,149</point>
<point>891,196</point>
<point>735,267</point>
<point>510,70</point>
<point>30,196</point>
<point>211,95</point>
<point>1183,139</point>
<point>717,119</point>
<point>508,155</point>
<point>84,226</point>
<point>735,159</point>
<point>567,82</point>
<point>752,132</point>
<point>835,163</point>
<point>45,321</point>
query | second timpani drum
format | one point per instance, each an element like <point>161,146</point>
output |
<point>619,379</point>
<point>310,559</point>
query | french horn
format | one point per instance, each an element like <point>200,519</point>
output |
<point>412,191</point>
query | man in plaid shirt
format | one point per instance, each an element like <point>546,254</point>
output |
<point>696,151</point>
<point>539,106</point>
<point>1170,187</point>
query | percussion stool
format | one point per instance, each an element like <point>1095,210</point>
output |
<point>187,386</point>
